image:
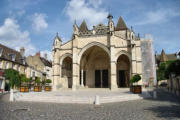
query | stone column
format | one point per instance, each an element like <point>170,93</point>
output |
<point>56,67</point>
<point>113,76</point>
<point>75,66</point>
<point>134,65</point>
<point>82,79</point>
<point>75,81</point>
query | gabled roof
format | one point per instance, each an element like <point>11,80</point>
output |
<point>6,51</point>
<point>46,62</point>
<point>83,26</point>
<point>121,25</point>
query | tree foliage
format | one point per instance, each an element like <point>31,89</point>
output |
<point>13,77</point>
<point>38,81</point>
<point>161,71</point>
<point>24,79</point>
<point>48,81</point>
<point>174,68</point>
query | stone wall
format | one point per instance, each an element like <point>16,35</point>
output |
<point>174,85</point>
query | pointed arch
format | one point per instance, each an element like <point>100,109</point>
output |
<point>121,53</point>
<point>64,56</point>
<point>91,45</point>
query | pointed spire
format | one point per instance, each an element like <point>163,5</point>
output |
<point>163,57</point>
<point>110,16</point>
<point>121,25</point>
<point>75,28</point>
<point>57,37</point>
<point>83,26</point>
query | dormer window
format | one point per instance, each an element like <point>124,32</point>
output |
<point>12,56</point>
<point>1,50</point>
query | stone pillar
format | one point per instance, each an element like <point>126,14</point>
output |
<point>134,67</point>
<point>82,79</point>
<point>56,68</point>
<point>75,81</point>
<point>113,76</point>
<point>75,65</point>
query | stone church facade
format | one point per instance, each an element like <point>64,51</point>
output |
<point>106,56</point>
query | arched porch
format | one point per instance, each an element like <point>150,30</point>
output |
<point>123,71</point>
<point>95,68</point>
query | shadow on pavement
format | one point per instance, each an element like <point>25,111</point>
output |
<point>169,105</point>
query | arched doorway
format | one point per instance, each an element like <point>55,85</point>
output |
<point>66,74</point>
<point>123,71</point>
<point>95,67</point>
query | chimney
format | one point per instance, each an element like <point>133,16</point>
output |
<point>45,56</point>
<point>38,54</point>
<point>22,51</point>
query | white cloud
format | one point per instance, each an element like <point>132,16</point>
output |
<point>49,54</point>
<point>88,10</point>
<point>159,16</point>
<point>12,36</point>
<point>38,22</point>
<point>95,3</point>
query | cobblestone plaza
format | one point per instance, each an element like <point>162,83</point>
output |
<point>165,107</point>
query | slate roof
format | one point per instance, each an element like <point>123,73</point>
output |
<point>121,25</point>
<point>83,26</point>
<point>6,51</point>
<point>170,57</point>
<point>46,62</point>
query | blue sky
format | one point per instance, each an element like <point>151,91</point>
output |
<point>34,23</point>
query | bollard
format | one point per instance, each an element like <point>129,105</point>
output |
<point>154,94</point>
<point>97,100</point>
<point>11,98</point>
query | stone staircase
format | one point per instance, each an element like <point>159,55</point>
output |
<point>81,96</point>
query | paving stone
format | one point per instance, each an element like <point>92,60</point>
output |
<point>165,107</point>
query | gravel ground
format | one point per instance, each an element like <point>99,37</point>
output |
<point>165,107</point>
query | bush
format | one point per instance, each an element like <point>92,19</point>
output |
<point>48,81</point>
<point>135,78</point>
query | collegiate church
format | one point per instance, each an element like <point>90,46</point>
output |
<point>106,56</point>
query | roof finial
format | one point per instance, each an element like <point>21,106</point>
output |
<point>56,33</point>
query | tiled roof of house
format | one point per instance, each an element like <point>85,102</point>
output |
<point>7,52</point>
<point>46,62</point>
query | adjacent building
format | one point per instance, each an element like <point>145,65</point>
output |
<point>39,67</point>
<point>10,58</point>
<point>163,57</point>
<point>106,56</point>
<point>31,66</point>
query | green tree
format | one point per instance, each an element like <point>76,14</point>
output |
<point>174,68</point>
<point>13,77</point>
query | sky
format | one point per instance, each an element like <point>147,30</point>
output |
<point>33,24</point>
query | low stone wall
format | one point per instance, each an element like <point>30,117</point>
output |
<point>174,85</point>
